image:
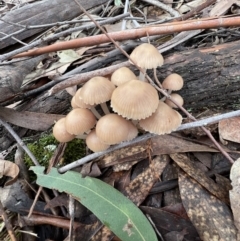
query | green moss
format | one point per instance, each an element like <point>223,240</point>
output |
<point>45,146</point>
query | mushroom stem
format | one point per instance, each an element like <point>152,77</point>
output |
<point>142,75</point>
<point>83,136</point>
<point>169,92</point>
<point>105,108</point>
<point>94,111</point>
<point>156,78</point>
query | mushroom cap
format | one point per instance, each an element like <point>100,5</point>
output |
<point>94,143</point>
<point>73,103</point>
<point>122,75</point>
<point>178,98</point>
<point>60,132</point>
<point>147,56</point>
<point>79,121</point>
<point>112,129</point>
<point>173,82</point>
<point>163,121</point>
<point>97,90</point>
<point>79,101</point>
<point>135,100</point>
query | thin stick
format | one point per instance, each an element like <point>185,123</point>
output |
<point>7,223</point>
<point>206,23</point>
<point>19,141</point>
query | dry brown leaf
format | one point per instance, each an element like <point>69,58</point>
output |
<point>235,193</point>
<point>211,217</point>
<point>168,144</point>
<point>123,155</point>
<point>104,234</point>
<point>193,171</point>
<point>222,6</point>
<point>229,129</point>
<point>139,188</point>
<point>29,120</point>
<point>9,169</point>
<point>164,144</point>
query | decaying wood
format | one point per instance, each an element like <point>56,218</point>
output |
<point>40,12</point>
<point>12,75</point>
<point>212,76</point>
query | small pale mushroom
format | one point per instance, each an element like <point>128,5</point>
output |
<point>177,98</point>
<point>113,129</point>
<point>163,121</point>
<point>60,132</point>
<point>173,82</point>
<point>79,102</point>
<point>94,143</point>
<point>96,91</point>
<point>135,100</point>
<point>79,121</point>
<point>146,56</point>
<point>122,75</point>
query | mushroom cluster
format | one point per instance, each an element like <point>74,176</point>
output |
<point>134,103</point>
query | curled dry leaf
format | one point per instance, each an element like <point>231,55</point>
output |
<point>235,194</point>
<point>227,129</point>
<point>211,217</point>
<point>9,169</point>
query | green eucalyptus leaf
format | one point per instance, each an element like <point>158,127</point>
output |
<point>118,3</point>
<point>114,210</point>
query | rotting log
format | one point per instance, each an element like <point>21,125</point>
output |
<point>212,80</point>
<point>212,76</point>
<point>38,13</point>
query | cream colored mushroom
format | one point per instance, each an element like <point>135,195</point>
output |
<point>173,82</point>
<point>177,98</point>
<point>79,102</point>
<point>96,91</point>
<point>135,100</point>
<point>60,132</point>
<point>122,75</point>
<point>79,121</point>
<point>113,129</point>
<point>94,143</point>
<point>163,121</point>
<point>146,56</point>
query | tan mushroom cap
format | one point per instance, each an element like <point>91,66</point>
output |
<point>173,82</point>
<point>176,97</point>
<point>112,129</point>
<point>163,121</point>
<point>60,132</point>
<point>79,121</point>
<point>79,101</point>
<point>122,75</point>
<point>135,100</point>
<point>73,103</point>
<point>147,56</point>
<point>94,143</point>
<point>97,90</point>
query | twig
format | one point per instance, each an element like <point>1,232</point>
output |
<point>205,23</point>
<point>199,123</point>
<point>7,223</point>
<point>164,7</point>
<point>56,36</point>
<point>81,78</point>
<point>19,141</point>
